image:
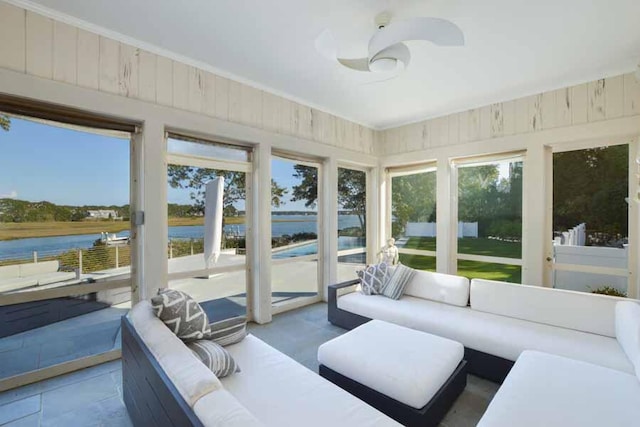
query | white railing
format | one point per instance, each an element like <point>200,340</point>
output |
<point>577,236</point>
<point>587,268</point>
<point>86,260</point>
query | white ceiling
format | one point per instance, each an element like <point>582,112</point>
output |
<point>513,47</point>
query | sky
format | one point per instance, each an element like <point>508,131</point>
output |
<point>67,167</point>
<point>41,162</point>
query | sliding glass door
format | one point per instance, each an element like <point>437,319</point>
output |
<point>590,219</point>
<point>65,246</point>
<point>221,288</point>
<point>296,237</point>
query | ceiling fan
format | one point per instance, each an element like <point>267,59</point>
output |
<point>387,52</point>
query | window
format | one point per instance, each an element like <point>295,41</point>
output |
<point>65,249</point>
<point>413,217</point>
<point>222,288</point>
<point>591,220</point>
<point>295,236</point>
<point>489,225</point>
<point>352,222</point>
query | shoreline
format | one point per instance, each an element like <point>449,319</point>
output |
<point>28,230</point>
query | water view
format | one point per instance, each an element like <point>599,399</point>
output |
<point>50,246</point>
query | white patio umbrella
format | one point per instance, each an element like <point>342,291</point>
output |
<point>213,220</point>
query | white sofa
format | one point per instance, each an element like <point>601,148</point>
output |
<point>18,276</point>
<point>550,390</point>
<point>501,321</point>
<point>161,375</point>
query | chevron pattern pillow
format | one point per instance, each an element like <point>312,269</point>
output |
<point>182,314</point>
<point>215,357</point>
<point>373,278</point>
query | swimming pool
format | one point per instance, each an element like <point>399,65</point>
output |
<point>344,242</point>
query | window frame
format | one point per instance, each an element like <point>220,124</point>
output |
<point>320,258</point>
<point>631,272</point>
<point>475,161</point>
<point>399,171</point>
<point>233,166</point>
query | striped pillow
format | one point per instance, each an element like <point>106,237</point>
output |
<point>394,288</point>
<point>215,357</point>
<point>229,331</point>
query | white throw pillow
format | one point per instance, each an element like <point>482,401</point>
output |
<point>628,331</point>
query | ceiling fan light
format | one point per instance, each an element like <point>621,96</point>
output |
<point>383,65</point>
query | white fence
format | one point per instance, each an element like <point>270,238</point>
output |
<point>593,256</point>
<point>428,229</point>
<point>577,236</point>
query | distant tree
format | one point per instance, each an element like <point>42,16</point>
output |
<point>352,193</point>
<point>307,189</point>
<point>352,190</point>
<point>413,199</point>
<point>194,178</point>
<point>5,122</point>
<point>78,215</point>
<point>590,186</point>
<point>478,193</point>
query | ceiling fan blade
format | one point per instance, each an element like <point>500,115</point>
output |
<point>326,45</point>
<point>398,51</point>
<point>358,64</point>
<point>436,30</point>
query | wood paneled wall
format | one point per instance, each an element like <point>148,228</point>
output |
<point>595,101</point>
<point>46,48</point>
<point>43,47</point>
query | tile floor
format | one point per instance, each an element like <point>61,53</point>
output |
<point>80,336</point>
<point>93,396</point>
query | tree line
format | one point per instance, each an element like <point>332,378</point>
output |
<point>13,210</point>
<point>589,186</point>
<point>351,188</point>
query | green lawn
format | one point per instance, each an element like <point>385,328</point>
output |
<point>479,246</point>
<point>470,269</point>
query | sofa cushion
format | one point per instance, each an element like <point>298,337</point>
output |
<point>182,314</point>
<point>502,336</point>
<point>220,408</point>
<point>373,278</point>
<point>445,288</point>
<point>407,365</point>
<point>281,392</point>
<point>569,309</point>
<point>214,357</point>
<point>229,331</point>
<point>628,331</point>
<point>188,374</point>
<point>548,390</point>
<point>394,287</point>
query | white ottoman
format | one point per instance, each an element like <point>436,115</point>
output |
<point>411,376</point>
